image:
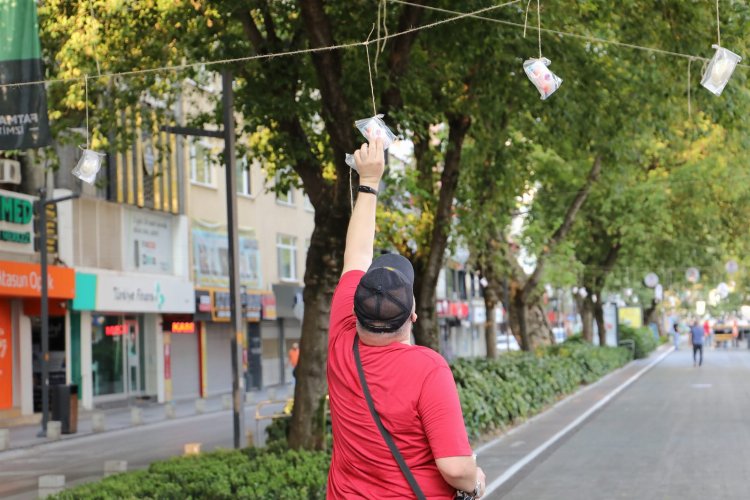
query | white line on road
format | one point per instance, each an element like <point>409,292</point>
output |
<point>513,470</point>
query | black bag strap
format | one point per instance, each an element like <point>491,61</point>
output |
<point>386,435</point>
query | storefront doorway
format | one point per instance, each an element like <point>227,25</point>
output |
<point>117,356</point>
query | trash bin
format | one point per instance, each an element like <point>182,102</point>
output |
<point>64,407</point>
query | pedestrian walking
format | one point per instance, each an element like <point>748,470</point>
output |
<point>707,333</point>
<point>293,358</point>
<point>696,339</point>
<point>398,430</point>
<point>676,335</point>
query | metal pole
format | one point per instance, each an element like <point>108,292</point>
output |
<point>42,206</point>
<point>506,305</point>
<point>237,330</point>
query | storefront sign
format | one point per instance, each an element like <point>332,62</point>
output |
<point>6,357</point>
<point>211,261</point>
<point>21,279</point>
<point>149,240</point>
<point>146,293</point>
<point>203,305</point>
<point>268,305</point>
<point>16,222</point>
<point>221,306</point>
<point>115,330</point>
<point>182,327</point>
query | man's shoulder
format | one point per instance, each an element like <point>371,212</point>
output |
<point>426,357</point>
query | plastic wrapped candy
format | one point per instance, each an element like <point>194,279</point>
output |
<point>545,81</point>
<point>720,69</point>
<point>88,166</point>
<point>372,128</point>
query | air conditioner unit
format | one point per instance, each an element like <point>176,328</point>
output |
<point>10,171</point>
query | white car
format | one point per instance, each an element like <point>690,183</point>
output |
<point>507,343</point>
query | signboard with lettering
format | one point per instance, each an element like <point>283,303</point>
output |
<point>16,222</point>
<point>6,357</point>
<point>148,236</point>
<point>182,327</point>
<point>21,279</point>
<point>211,258</point>
<point>145,293</point>
<point>51,230</point>
<point>23,108</point>
<point>221,305</point>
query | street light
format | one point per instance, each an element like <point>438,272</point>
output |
<point>42,210</point>
<point>235,300</point>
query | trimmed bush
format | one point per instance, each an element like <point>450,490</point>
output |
<point>224,474</point>
<point>643,338</point>
<point>494,394</point>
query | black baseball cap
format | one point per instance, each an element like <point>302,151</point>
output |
<point>385,295</point>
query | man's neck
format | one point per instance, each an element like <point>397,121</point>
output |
<point>380,340</point>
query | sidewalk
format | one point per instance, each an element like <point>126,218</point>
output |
<point>503,459</point>
<point>119,417</point>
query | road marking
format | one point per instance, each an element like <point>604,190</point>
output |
<point>513,470</point>
<point>517,444</point>
<point>701,386</point>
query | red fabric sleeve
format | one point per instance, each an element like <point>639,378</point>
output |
<point>441,415</point>
<point>342,307</point>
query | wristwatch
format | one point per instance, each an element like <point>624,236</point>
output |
<point>477,489</point>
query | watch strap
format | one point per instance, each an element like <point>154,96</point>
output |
<point>367,189</point>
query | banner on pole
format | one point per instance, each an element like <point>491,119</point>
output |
<point>23,108</point>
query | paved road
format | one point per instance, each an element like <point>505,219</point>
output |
<point>678,432</point>
<point>81,458</point>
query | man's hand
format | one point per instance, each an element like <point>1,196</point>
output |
<point>482,482</point>
<point>370,162</point>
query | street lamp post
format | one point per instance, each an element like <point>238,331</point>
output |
<point>235,301</point>
<point>42,211</point>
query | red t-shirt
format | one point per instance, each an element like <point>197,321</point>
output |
<point>414,393</point>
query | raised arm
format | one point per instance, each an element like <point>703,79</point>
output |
<point>360,237</point>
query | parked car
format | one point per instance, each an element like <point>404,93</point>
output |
<point>507,343</point>
<point>560,334</point>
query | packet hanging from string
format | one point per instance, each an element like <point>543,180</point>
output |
<point>545,81</point>
<point>372,128</point>
<point>719,69</point>
<point>88,166</point>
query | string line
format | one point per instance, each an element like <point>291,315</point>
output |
<point>539,26</point>
<point>588,38</point>
<point>311,50</point>
<point>86,105</point>
<point>475,15</point>
<point>718,25</point>
<point>369,72</point>
<point>690,111</point>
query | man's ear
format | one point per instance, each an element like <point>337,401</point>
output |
<point>413,317</point>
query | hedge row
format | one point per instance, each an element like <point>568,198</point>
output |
<point>494,393</point>
<point>643,338</point>
<point>224,474</point>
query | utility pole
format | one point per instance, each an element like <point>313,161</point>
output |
<point>42,211</point>
<point>237,331</point>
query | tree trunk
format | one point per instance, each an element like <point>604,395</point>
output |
<point>599,316</point>
<point>586,309</point>
<point>490,330</point>
<point>428,263</point>
<point>527,320</point>
<point>323,267</point>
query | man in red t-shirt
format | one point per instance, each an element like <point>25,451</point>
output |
<point>412,387</point>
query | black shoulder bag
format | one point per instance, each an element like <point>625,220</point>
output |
<point>386,435</point>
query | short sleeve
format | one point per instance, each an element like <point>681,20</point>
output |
<point>441,414</point>
<point>342,306</point>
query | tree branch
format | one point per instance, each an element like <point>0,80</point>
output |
<point>564,227</point>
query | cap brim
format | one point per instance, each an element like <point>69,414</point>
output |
<point>395,261</point>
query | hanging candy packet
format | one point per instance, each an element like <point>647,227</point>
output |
<point>720,69</point>
<point>372,128</point>
<point>545,81</point>
<point>88,166</point>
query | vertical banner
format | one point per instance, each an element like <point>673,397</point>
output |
<point>23,108</point>
<point>202,359</point>
<point>6,357</point>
